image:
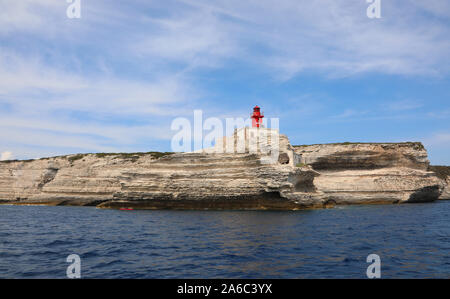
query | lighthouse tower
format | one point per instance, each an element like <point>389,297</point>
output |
<point>257,117</point>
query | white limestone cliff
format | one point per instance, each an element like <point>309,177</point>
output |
<point>302,177</point>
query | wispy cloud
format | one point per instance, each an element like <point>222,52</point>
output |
<point>195,39</point>
<point>349,113</point>
<point>51,107</point>
<point>403,105</point>
<point>119,75</point>
<point>438,145</point>
<point>25,15</point>
<point>336,36</point>
<point>439,139</point>
<point>442,114</point>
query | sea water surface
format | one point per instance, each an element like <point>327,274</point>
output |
<point>413,241</point>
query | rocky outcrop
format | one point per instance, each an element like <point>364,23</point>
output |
<point>364,156</point>
<point>446,192</point>
<point>302,177</point>
<point>372,172</point>
<point>185,180</point>
<point>443,172</point>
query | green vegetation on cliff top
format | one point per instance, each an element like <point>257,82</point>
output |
<point>73,158</point>
<point>419,144</point>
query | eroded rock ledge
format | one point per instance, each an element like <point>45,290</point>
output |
<point>314,176</point>
<point>443,172</point>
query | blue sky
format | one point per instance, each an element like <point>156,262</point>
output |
<point>114,80</point>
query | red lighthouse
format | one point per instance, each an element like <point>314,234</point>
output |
<point>257,117</point>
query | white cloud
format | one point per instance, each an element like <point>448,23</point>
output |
<point>439,139</point>
<point>197,39</point>
<point>19,72</point>
<point>333,37</point>
<point>5,156</point>
<point>29,15</point>
<point>437,7</point>
<point>31,85</point>
<point>404,105</point>
<point>443,113</point>
<point>140,59</point>
<point>349,113</point>
<point>53,108</point>
<point>286,37</point>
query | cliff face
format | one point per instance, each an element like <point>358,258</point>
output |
<point>443,172</point>
<point>446,193</point>
<point>329,175</point>
<point>368,156</point>
<point>187,180</point>
<point>370,173</point>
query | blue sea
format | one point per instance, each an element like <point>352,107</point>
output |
<point>412,240</point>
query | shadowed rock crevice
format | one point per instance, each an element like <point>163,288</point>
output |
<point>425,194</point>
<point>263,201</point>
<point>367,160</point>
<point>443,172</point>
<point>283,158</point>
<point>330,203</point>
<point>48,176</point>
<point>304,183</point>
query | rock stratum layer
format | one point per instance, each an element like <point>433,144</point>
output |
<point>374,172</point>
<point>446,193</point>
<point>304,177</point>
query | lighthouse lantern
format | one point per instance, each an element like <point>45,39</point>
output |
<point>257,117</point>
